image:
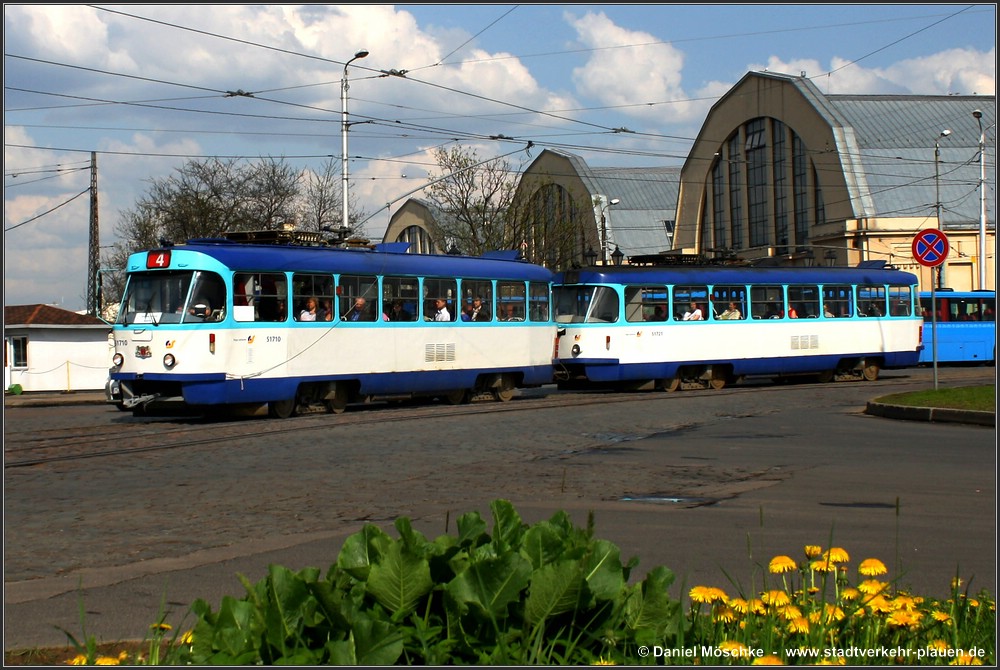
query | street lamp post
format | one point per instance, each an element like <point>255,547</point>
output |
<point>604,230</point>
<point>345,221</point>
<point>982,200</point>
<point>937,192</point>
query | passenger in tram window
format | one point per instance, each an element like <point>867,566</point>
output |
<point>659,314</point>
<point>441,312</point>
<point>282,310</point>
<point>827,313</point>
<point>398,312</point>
<point>694,314</point>
<point>792,313</point>
<point>359,312</point>
<point>326,314</point>
<point>510,314</point>
<point>309,313</point>
<point>732,313</point>
<point>477,311</point>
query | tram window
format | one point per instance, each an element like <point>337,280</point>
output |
<point>443,289</point>
<point>871,300</point>
<point>767,302</point>
<point>481,289</point>
<point>208,299</point>
<point>838,301</point>
<point>352,287</point>
<point>260,296</point>
<point>400,297</point>
<point>684,296</point>
<point>900,300</point>
<point>538,293</point>
<point>645,303</point>
<point>987,310</point>
<point>722,296</point>
<point>510,301</point>
<point>155,297</point>
<point>804,300</point>
<point>317,287</point>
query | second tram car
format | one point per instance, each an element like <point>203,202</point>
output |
<point>224,323</point>
<point>965,324</point>
<point>709,326</point>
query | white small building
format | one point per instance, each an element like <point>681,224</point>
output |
<point>51,349</point>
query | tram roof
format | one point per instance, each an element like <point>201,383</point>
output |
<point>382,259</point>
<point>872,272</point>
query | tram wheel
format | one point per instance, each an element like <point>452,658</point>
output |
<point>281,409</point>
<point>717,383</point>
<point>671,385</point>
<point>456,397</point>
<point>338,403</point>
<point>870,371</point>
<point>825,377</point>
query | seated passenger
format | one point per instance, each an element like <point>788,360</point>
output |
<point>659,314</point>
<point>827,313</point>
<point>510,314</point>
<point>441,312</point>
<point>732,313</point>
<point>477,312</point>
<point>399,313</point>
<point>358,312</point>
<point>310,311</point>
<point>792,313</point>
<point>694,314</point>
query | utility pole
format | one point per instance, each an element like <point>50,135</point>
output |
<point>94,249</point>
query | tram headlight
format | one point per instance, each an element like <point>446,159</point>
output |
<point>169,361</point>
<point>575,350</point>
<point>117,360</point>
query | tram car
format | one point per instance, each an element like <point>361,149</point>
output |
<point>692,326</point>
<point>222,323</point>
<point>965,324</point>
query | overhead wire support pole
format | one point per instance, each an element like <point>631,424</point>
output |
<point>94,246</point>
<point>345,221</point>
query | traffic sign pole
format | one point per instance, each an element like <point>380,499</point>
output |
<point>930,248</point>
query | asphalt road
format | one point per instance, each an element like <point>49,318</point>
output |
<point>708,484</point>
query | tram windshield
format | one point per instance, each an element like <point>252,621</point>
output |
<point>586,304</point>
<point>172,297</point>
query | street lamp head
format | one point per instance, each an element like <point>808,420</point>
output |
<point>977,114</point>
<point>361,54</point>
<point>945,133</point>
<point>615,201</point>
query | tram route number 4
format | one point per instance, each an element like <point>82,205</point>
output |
<point>930,247</point>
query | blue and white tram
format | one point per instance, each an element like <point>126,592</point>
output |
<point>217,323</point>
<point>709,326</point>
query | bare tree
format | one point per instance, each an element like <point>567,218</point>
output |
<point>476,196</point>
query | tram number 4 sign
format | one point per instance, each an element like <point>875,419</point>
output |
<point>930,247</point>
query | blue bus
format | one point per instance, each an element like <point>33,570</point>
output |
<point>966,327</point>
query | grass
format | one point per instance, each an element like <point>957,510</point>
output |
<point>978,398</point>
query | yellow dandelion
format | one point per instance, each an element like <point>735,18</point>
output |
<point>770,659</point>
<point>122,655</point>
<point>823,565</point>
<point>780,564</point>
<point>829,614</point>
<point>904,603</point>
<point>789,612</point>
<point>850,593</point>
<point>734,649</point>
<point>775,598</point>
<point>707,594</point>
<point>757,606</point>
<point>187,638</point>
<point>740,605</point>
<point>812,590</point>
<point>106,660</point>
<point>939,645</point>
<point>879,604</point>
<point>161,626</point>
<point>79,659</point>
<point>903,619</point>
<point>813,550</point>
<point>839,660</point>
<point>956,582</point>
<point>941,617</point>
<point>973,602</point>
<point>872,586</point>
<point>872,567</point>
<point>723,614</point>
<point>837,555</point>
<point>966,659</point>
<point>603,661</point>
<point>798,625</point>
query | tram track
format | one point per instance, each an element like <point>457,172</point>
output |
<point>59,445</point>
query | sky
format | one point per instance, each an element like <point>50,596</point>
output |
<point>148,88</point>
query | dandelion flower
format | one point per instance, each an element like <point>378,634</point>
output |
<point>161,626</point>
<point>903,619</point>
<point>941,617</point>
<point>850,593</point>
<point>813,550</point>
<point>872,567</point>
<point>798,625</point>
<point>757,606</point>
<point>187,638</point>
<point>107,660</point>
<point>780,564</point>
<point>838,555</point>
<point>770,659</point>
<point>79,659</point>
<point>839,660</point>
<point>740,605</point>
<point>830,614</point>
<point>823,565</point>
<point>904,603</point>
<point>734,649</point>
<point>707,594</point>
<point>789,612</point>
<point>723,614</point>
<point>939,645</point>
<point>775,598</point>
<point>966,659</point>
<point>871,586</point>
<point>603,661</point>
<point>879,604</point>
<point>956,582</point>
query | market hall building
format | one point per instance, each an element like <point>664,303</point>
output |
<point>779,173</point>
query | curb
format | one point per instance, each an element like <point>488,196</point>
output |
<point>932,414</point>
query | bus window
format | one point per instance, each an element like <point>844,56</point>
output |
<point>838,301</point>
<point>352,287</point>
<point>767,302</point>
<point>804,300</point>
<point>722,296</point>
<point>684,296</point>
<point>900,301</point>
<point>538,294</point>
<point>871,300</point>
<point>440,289</point>
<point>646,303</point>
<point>260,296</point>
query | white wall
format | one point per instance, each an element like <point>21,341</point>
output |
<point>62,359</point>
